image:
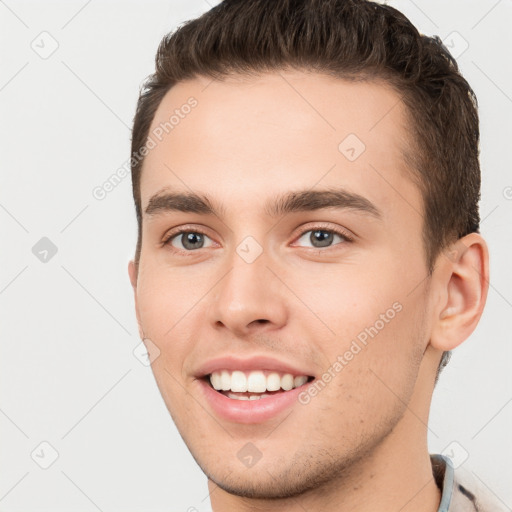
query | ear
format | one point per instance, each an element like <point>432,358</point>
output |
<point>464,281</point>
<point>133,273</point>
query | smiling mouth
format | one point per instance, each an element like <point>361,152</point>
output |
<point>254,385</point>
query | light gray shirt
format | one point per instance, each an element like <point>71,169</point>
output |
<point>461,491</point>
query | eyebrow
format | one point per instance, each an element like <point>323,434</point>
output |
<point>294,201</point>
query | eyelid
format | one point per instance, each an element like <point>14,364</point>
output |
<point>169,235</point>
<point>322,226</point>
<point>299,233</point>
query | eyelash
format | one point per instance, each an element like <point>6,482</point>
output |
<point>344,235</point>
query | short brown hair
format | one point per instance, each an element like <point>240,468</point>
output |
<point>348,39</point>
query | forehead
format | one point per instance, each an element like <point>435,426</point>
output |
<point>277,132</point>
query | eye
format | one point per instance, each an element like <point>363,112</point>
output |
<point>188,240</point>
<point>319,238</point>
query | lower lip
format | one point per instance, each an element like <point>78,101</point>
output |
<point>250,411</point>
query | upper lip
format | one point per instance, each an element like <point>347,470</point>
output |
<point>259,362</point>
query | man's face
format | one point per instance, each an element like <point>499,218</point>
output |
<point>248,292</point>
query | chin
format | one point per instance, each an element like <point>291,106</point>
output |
<point>265,487</point>
<point>288,478</point>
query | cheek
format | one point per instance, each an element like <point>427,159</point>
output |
<point>375,323</point>
<point>375,299</point>
<point>166,307</point>
<point>166,297</point>
<point>373,381</point>
<point>346,299</point>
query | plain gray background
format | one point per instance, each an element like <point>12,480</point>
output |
<point>69,377</point>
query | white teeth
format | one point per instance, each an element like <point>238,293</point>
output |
<point>216,380</point>
<point>238,382</point>
<point>273,382</point>
<point>254,382</point>
<point>225,381</point>
<point>245,397</point>
<point>287,382</point>
<point>299,381</point>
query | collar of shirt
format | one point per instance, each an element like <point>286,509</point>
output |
<point>462,490</point>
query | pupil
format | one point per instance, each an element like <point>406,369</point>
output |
<point>321,238</point>
<point>191,240</point>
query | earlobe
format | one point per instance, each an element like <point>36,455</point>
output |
<point>464,271</point>
<point>132,273</point>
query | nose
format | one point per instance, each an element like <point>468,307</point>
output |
<point>249,298</point>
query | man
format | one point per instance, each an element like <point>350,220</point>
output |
<point>306,182</point>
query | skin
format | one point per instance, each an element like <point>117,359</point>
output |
<point>361,443</point>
